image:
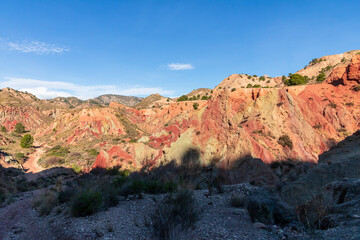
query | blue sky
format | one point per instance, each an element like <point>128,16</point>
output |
<point>88,48</point>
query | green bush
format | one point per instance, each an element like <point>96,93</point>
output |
<point>51,161</point>
<point>295,79</point>
<point>315,60</point>
<point>119,181</point>
<point>285,140</point>
<point>249,86</point>
<point>233,89</point>
<point>20,157</point>
<point>19,128</point>
<point>153,187</point>
<point>205,97</point>
<point>3,129</point>
<point>183,98</point>
<point>93,152</point>
<point>137,187</point>
<point>262,78</point>
<point>195,106</point>
<point>58,151</point>
<point>27,141</point>
<point>54,157</point>
<point>77,169</point>
<point>169,187</point>
<point>86,203</point>
<point>321,77</point>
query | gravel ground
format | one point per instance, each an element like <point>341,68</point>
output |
<point>218,220</point>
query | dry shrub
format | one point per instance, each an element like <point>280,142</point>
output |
<point>174,217</point>
<point>45,203</point>
<point>265,207</point>
<point>51,161</point>
<point>313,213</point>
<point>285,140</point>
<point>238,200</point>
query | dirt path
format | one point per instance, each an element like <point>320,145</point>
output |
<point>31,165</point>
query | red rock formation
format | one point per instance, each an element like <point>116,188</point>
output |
<point>248,121</point>
<point>231,125</point>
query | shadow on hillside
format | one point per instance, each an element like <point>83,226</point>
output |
<point>190,173</point>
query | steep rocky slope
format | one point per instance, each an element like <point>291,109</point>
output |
<point>341,161</point>
<point>270,123</point>
<point>16,106</point>
<point>256,122</point>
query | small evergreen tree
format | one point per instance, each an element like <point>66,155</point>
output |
<point>195,106</point>
<point>27,141</point>
<point>296,79</point>
<point>183,98</point>
<point>321,77</point>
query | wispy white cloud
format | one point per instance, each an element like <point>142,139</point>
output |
<point>179,66</point>
<point>51,89</point>
<point>37,47</point>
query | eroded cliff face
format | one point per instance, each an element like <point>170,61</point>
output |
<point>233,124</point>
<point>250,121</point>
<point>85,124</point>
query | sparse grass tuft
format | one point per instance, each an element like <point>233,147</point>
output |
<point>313,213</point>
<point>176,215</point>
<point>332,105</point>
<point>46,202</point>
<point>238,201</point>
